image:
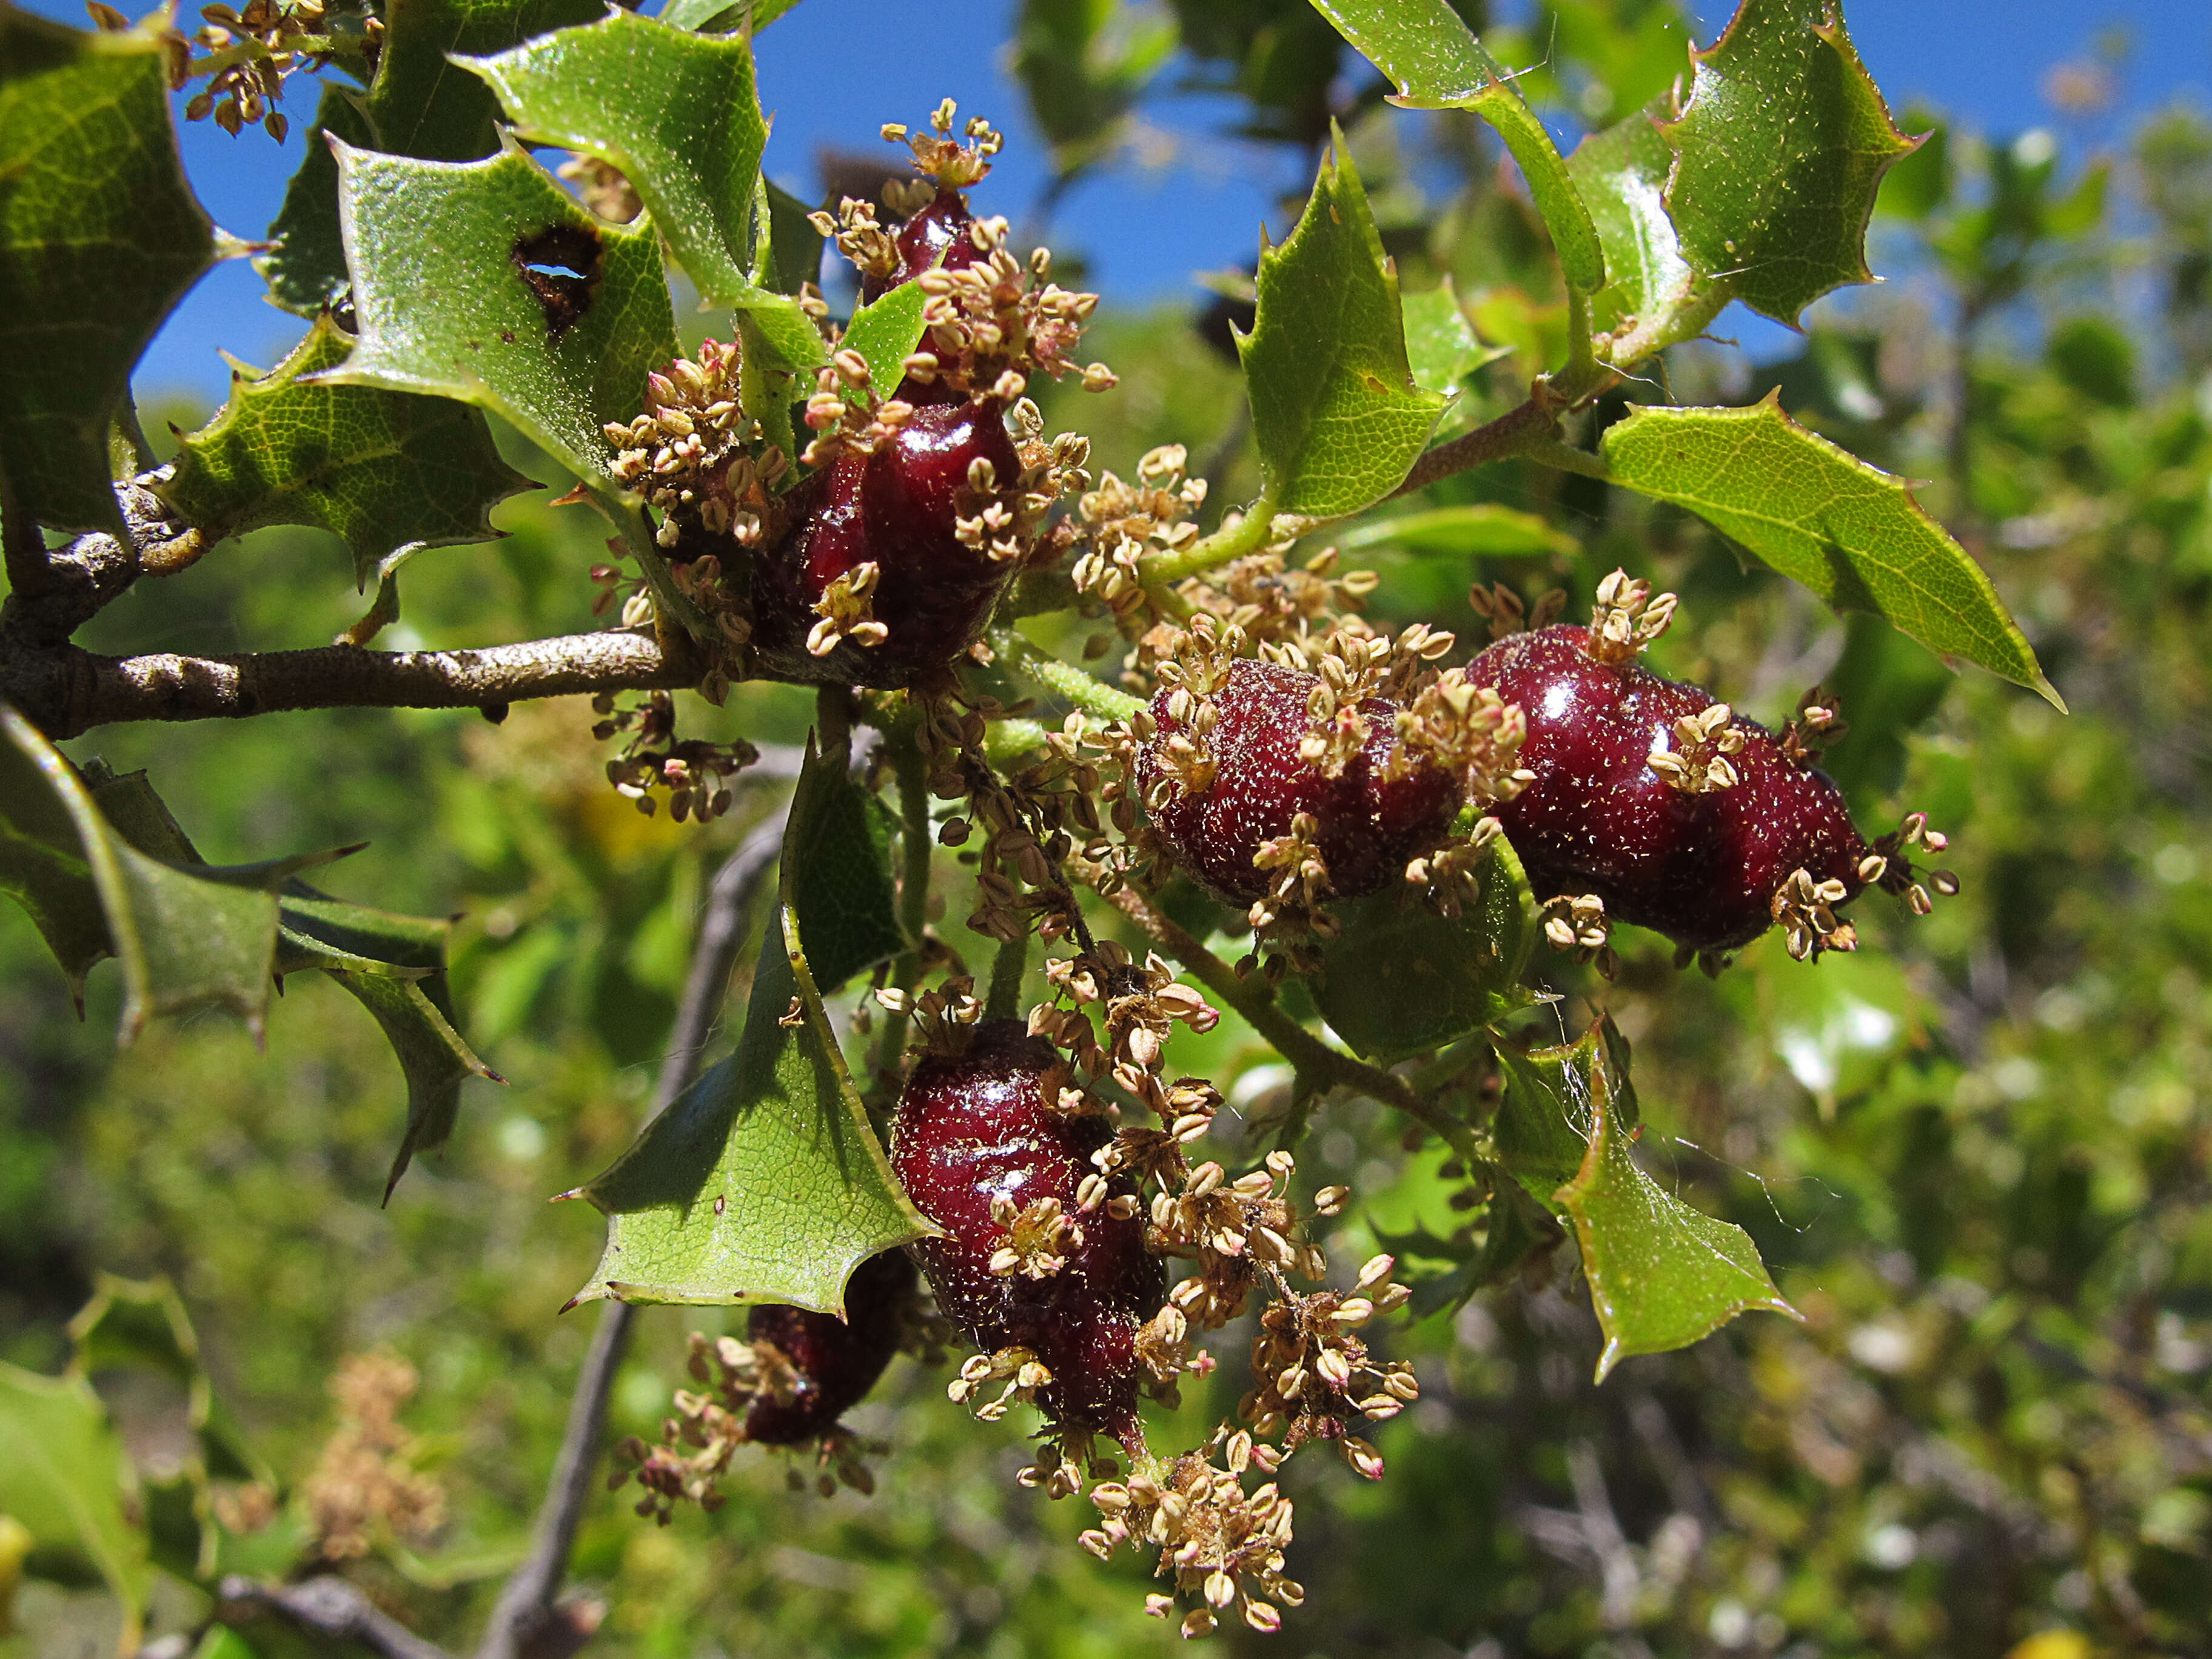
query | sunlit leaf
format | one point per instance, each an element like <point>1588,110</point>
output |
<point>764,1182</point>
<point>488,283</point>
<point>1402,978</point>
<point>99,236</point>
<point>420,104</point>
<point>1476,529</point>
<point>1622,173</point>
<point>389,471</point>
<point>1441,348</point>
<point>1436,62</point>
<point>307,270</point>
<point>887,332</point>
<point>675,111</point>
<point>1819,515</point>
<point>1780,151</point>
<point>1661,1275</point>
<point>1335,414</point>
<point>713,16</point>
<point>64,1477</point>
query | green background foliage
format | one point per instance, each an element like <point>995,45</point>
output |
<point>1974,1158</point>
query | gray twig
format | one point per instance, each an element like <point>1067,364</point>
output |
<point>526,1622</point>
<point>329,1605</point>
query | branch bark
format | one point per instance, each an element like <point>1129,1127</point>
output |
<point>330,1606</point>
<point>65,691</point>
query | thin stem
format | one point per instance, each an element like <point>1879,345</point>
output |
<point>1565,457</point>
<point>669,601</point>
<point>1003,1000</point>
<point>833,725</point>
<point>1582,353</point>
<point>911,768</point>
<point>1064,680</point>
<point>330,1607</point>
<point>1247,535</point>
<point>1256,1000</point>
<point>1511,434</point>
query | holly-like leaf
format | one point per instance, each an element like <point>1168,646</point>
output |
<point>99,236</point>
<point>1401,978</point>
<point>1436,63</point>
<point>488,283</point>
<point>420,104</point>
<point>763,1182</point>
<point>1779,154</point>
<point>1819,515</point>
<point>65,1478</point>
<point>1661,1275</point>
<point>841,890</point>
<point>186,936</point>
<point>1335,413</point>
<point>416,1016</point>
<point>1441,348</point>
<point>1542,1128</point>
<point>389,471</point>
<point>675,111</point>
<point>1622,173</point>
<point>307,270</point>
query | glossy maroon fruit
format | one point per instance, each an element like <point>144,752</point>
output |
<point>837,1360</point>
<point>1702,868</point>
<point>1369,824</point>
<point>896,509</point>
<point>984,1125</point>
<point>940,228</point>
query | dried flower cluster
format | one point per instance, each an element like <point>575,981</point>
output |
<point>251,53</point>
<point>692,773</point>
<point>365,1484</point>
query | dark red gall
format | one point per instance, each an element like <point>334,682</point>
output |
<point>896,509</point>
<point>1702,866</point>
<point>1368,823</point>
<point>980,1133</point>
<point>836,1361</point>
<point>943,227</point>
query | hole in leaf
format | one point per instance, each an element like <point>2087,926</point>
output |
<point>561,265</point>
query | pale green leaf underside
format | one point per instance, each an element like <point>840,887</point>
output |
<point>383,470</point>
<point>1781,150</point>
<point>675,111</point>
<point>1849,531</point>
<point>1436,62</point>
<point>99,236</point>
<point>444,308</point>
<point>1661,1275</point>
<point>1335,414</point>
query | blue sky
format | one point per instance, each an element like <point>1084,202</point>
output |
<point>1145,231</point>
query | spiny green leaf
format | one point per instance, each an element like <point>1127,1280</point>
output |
<point>1819,515</point>
<point>387,470</point>
<point>1441,348</point>
<point>848,911</point>
<point>1780,152</point>
<point>307,270</point>
<point>99,236</point>
<point>1335,413</point>
<point>1401,978</point>
<point>185,936</point>
<point>1661,1275</point>
<point>1622,173</point>
<point>675,111</point>
<point>416,1016</point>
<point>449,306</point>
<point>64,1478</point>
<point>764,1182</point>
<point>1430,53</point>
<point>1542,1127</point>
<point>420,104</point>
